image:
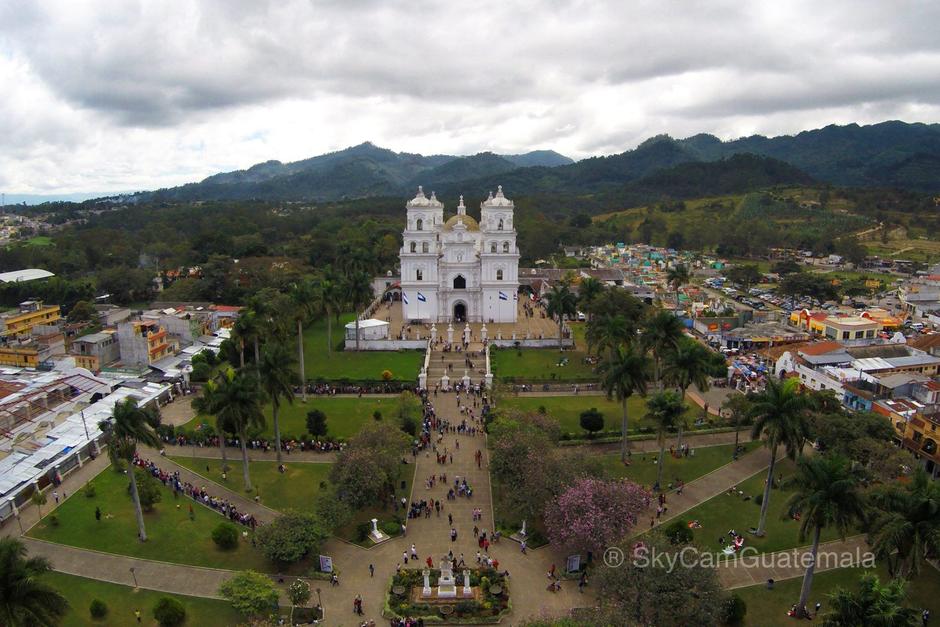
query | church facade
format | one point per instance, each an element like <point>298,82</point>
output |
<point>459,270</point>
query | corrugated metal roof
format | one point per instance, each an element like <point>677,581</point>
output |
<point>29,274</point>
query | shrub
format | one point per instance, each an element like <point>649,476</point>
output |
<point>53,520</point>
<point>316,422</point>
<point>391,528</point>
<point>201,372</point>
<point>386,375</point>
<point>98,609</point>
<point>89,491</point>
<point>291,536</point>
<point>169,612</point>
<point>362,530</point>
<point>734,610</point>
<point>148,489</point>
<point>759,499</point>
<point>409,425</point>
<point>225,535</point>
<point>592,420</point>
<point>376,415</point>
<point>678,532</point>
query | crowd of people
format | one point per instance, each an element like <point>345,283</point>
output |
<point>256,444</point>
<point>199,494</point>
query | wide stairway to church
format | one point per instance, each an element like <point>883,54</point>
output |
<point>454,364</point>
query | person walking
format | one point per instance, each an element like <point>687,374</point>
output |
<point>371,570</point>
<point>522,546</point>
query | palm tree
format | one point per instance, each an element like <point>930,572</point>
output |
<point>561,302</point>
<point>906,530</point>
<point>38,497</point>
<point>661,335</point>
<point>277,379</point>
<point>358,294</point>
<point>302,297</point>
<point>25,601</point>
<point>626,371</point>
<point>739,406</point>
<point>328,301</point>
<point>240,406</point>
<point>871,604</point>
<point>688,364</point>
<point>677,276</point>
<point>780,417</point>
<point>667,410</point>
<point>209,403</point>
<point>606,332</point>
<point>127,428</point>
<point>248,329</point>
<point>828,494</point>
<point>589,289</point>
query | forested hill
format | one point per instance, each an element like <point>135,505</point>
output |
<point>890,154</point>
<point>357,172</point>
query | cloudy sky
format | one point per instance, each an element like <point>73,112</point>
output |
<point>124,95</point>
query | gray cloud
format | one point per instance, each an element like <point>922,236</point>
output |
<point>121,94</point>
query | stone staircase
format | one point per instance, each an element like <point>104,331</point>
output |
<point>454,364</point>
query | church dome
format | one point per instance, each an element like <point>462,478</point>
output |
<point>468,222</point>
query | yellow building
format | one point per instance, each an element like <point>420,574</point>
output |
<point>32,313</point>
<point>19,356</point>
<point>850,328</point>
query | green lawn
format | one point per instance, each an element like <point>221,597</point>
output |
<point>643,467</point>
<point>39,240</point>
<point>567,410</point>
<point>294,489</point>
<point>540,364</point>
<point>122,601</point>
<point>344,416</point>
<point>172,536</point>
<point>768,608</point>
<point>319,363</point>
<point>723,512</point>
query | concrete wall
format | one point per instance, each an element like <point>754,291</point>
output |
<point>387,345</point>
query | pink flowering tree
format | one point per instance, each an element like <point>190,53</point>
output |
<point>593,514</point>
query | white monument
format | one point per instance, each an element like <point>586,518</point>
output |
<point>446,585</point>
<point>459,270</point>
<point>426,591</point>
<point>376,535</point>
<point>466,584</point>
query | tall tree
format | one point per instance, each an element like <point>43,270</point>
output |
<point>561,302</point>
<point>624,373</point>
<point>606,332</point>
<point>240,402</point>
<point>329,301</point>
<point>358,294</point>
<point>276,371</point>
<point>677,276</point>
<point>25,600</point>
<point>666,410</point>
<point>906,530</point>
<point>739,406</point>
<point>589,289</point>
<point>248,329</point>
<point>302,295</point>
<point>661,335</point>
<point>210,403</point>
<point>828,495</point>
<point>780,418</point>
<point>689,364</point>
<point>127,428</point>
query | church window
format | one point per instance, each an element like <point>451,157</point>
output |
<point>499,275</point>
<point>460,283</point>
<point>419,275</point>
<point>492,247</point>
<point>498,228</point>
<point>424,247</point>
<point>414,247</point>
<point>419,225</point>
<point>505,247</point>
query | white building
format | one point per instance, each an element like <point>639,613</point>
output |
<point>459,270</point>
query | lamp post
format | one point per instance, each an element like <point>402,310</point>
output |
<point>134,575</point>
<point>320,605</point>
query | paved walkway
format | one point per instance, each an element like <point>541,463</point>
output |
<point>739,573</point>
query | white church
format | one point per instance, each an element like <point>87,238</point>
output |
<point>459,270</point>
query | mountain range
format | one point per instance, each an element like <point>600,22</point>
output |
<point>890,154</point>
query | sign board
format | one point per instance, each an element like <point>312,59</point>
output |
<point>573,564</point>
<point>326,563</point>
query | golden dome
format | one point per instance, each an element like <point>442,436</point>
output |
<point>468,222</point>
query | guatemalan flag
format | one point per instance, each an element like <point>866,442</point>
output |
<point>404,298</point>
<point>502,296</point>
<point>422,298</point>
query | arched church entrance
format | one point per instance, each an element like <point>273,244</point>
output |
<point>460,312</point>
